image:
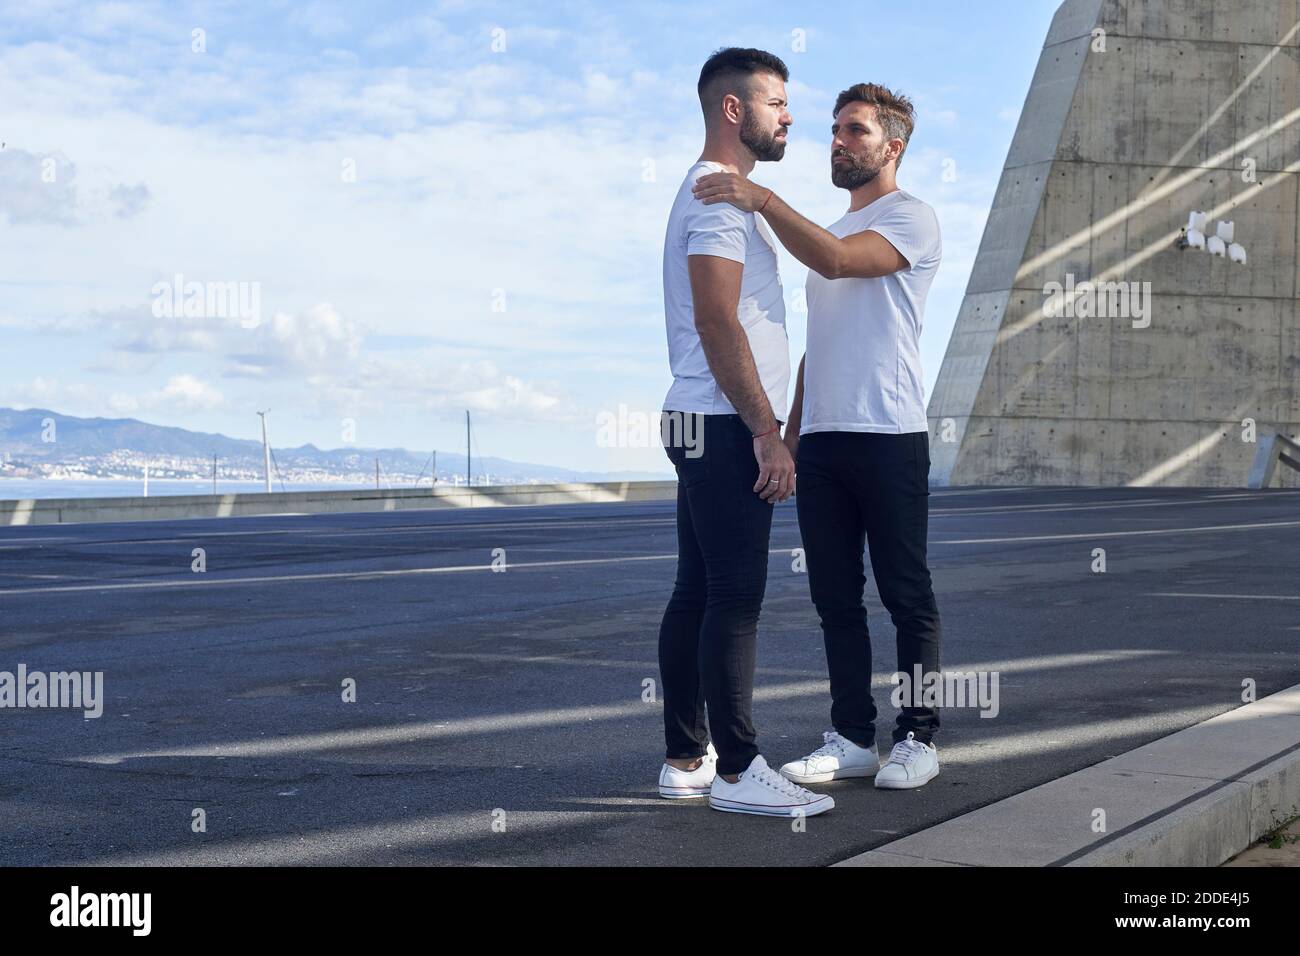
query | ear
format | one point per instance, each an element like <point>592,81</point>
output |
<point>732,108</point>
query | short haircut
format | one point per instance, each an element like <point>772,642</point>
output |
<point>729,69</point>
<point>894,111</point>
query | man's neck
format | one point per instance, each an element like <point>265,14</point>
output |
<point>734,157</point>
<point>865,195</point>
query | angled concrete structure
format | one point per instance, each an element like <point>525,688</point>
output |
<point>1142,370</point>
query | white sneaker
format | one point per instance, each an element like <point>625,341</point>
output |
<point>763,791</point>
<point>910,764</point>
<point>836,759</point>
<point>677,784</point>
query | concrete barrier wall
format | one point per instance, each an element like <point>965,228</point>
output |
<point>1140,111</point>
<point>32,511</point>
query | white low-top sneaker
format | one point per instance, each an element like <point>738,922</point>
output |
<point>682,784</point>
<point>910,764</point>
<point>763,791</point>
<point>835,759</point>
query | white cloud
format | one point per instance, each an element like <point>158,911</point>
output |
<point>43,392</point>
<point>129,200</point>
<point>37,189</point>
<point>43,189</point>
<point>180,395</point>
<point>319,339</point>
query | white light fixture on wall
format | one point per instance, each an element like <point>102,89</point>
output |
<point>1219,244</point>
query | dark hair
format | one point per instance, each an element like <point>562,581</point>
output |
<point>732,65</point>
<point>894,111</point>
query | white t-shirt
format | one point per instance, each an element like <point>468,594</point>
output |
<point>722,230</point>
<point>862,371</point>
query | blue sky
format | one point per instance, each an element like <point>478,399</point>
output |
<point>498,246</point>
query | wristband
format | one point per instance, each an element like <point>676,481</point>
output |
<point>774,428</point>
<point>765,202</point>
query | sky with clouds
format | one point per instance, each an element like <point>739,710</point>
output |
<point>441,206</point>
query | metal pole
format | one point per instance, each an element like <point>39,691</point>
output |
<point>468,470</point>
<point>214,474</point>
<point>266,451</point>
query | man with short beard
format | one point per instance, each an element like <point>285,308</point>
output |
<point>730,358</point>
<point>858,429</point>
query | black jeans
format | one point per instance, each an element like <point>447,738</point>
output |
<point>875,487</point>
<point>710,628</point>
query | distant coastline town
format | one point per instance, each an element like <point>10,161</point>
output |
<point>45,452</point>
<point>121,464</point>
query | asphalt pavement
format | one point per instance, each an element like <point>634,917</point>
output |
<point>500,715</point>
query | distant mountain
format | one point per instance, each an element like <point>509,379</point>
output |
<point>106,447</point>
<point>23,434</point>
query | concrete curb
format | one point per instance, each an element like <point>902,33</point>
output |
<point>32,511</point>
<point>1195,798</point>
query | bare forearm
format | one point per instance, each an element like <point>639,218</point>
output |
<point>727,350</point>
<point>808,242</point>
<point>863,255</point>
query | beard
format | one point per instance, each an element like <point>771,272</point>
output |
<point>860,169</point>
<point>762,143</point>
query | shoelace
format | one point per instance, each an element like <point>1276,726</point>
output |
<point>833,747</point>
<point>780,784</point>
<point>906,752</point>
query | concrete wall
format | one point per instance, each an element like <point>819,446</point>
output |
<point>1114,148</point>
<point>172,507</point>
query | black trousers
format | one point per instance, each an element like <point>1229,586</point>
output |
<point>854,487</point>
<point>710,627</point>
